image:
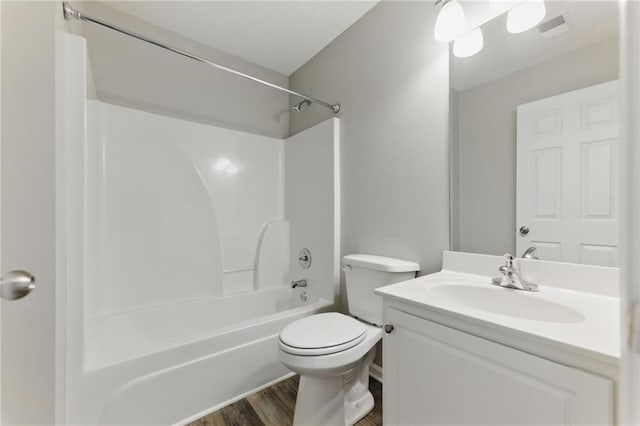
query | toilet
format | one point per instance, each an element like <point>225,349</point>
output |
<point>332,352</point>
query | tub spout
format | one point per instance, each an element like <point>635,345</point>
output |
<point>299,283</point>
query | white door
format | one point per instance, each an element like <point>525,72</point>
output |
<point>27,239</point>
<point>567,181</point>
<point>629,401</point>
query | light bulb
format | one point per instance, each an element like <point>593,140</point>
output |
<point>525,16</point>
<point>450,22</point>
<point>469,44</point>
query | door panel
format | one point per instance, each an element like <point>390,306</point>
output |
<point>629,394</point>
<point>567,189</point>
<point>27,241</point>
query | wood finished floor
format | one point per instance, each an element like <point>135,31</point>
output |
<point>274,407</point>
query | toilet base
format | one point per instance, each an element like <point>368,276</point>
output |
<point>335,400</point>
<point>357,410</point>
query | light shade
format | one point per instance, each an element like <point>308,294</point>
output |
<point>450,22</point>
<point>525,16</point>
<point>469,44</point>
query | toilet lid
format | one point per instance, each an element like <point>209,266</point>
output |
<point>322,334</point>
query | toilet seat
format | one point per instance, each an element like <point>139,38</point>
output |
<point>332,363</point>
<point>322,334</point>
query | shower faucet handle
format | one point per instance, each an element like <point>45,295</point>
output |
<point>304,258</point>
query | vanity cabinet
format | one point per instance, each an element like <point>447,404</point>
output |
<point>436,375</point>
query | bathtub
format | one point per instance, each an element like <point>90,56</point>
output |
<point>147,331</point>
<point>174,364</point>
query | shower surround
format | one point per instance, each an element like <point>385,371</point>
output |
<point>180,240</point>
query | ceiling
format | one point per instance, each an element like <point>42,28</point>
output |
<point>505,53</point>
<point>279,35</point>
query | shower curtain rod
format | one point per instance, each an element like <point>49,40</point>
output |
<point>70,12</point>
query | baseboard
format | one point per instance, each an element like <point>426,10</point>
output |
<point>375,371</point>
<point>235,399</point>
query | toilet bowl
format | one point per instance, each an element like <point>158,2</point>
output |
<point>332,352</point>
<point>334,382</point>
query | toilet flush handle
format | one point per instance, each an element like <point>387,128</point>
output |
<point>388,328</point>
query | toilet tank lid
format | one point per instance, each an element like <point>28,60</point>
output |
<point>380,263</point>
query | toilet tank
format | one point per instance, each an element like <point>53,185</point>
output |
<point>366,272</point>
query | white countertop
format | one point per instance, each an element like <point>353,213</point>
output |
<point>582,322</point>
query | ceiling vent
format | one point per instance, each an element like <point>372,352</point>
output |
<point>554,27</point>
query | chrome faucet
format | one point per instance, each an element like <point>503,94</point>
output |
<point>511,277</point>
<point>299,283</point>
<point>530,253</point>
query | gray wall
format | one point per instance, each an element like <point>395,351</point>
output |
<point>391,78</point>
<point>28,208</point>
<point>131,73</point>
<point>484,169</point>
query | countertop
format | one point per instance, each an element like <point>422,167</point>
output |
<point>581,322</point>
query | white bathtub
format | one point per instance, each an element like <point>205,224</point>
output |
<point>122,337</point>
<point>140,212</point>
<point>174,364</point>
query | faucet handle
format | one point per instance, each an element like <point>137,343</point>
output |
<point>530,253</point>
<point>508,266</point>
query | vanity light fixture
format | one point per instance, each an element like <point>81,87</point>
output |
<point>450,21</point>
<point>525,16</point>
<point>468,44</point>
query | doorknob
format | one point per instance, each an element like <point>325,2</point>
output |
<point>524,230</point>
<point>16,285</point>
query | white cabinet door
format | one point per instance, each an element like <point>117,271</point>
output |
<point>567,166</point>
<point>435,375</point>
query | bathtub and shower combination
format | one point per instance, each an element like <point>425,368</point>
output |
<point>179,241</point>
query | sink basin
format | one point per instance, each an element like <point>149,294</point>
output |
<point>506,302</point>
<point>588,322</point>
